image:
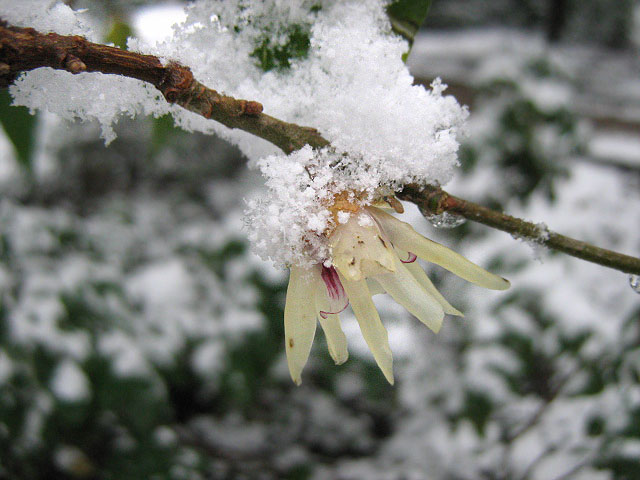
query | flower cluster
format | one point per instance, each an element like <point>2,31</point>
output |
<point>371,252</point>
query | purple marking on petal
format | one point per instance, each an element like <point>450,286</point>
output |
<point>324,314</point>
<point>412,258</point>
<point>335,290</point>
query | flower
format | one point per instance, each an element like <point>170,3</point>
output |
<point>371,252</point>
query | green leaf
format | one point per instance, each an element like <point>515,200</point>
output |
<point>20,127</point>
<point>406,18</point>
<point>270,55</point>
<point>162,131</point>
<point>119,33</point>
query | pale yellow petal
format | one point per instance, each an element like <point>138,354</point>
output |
<point>425,282</point>
<point>403,236</point>
<point>372,329</point>
<point>336,339</point>
<point>406,290</point>
<point>299,320</point>
<point>374,287</point>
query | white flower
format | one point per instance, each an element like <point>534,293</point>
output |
<point>372,252</point>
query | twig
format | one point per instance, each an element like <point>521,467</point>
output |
<point>437,201</point>
<point>23,49</point>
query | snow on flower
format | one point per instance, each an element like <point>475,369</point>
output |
<point>373,252</point>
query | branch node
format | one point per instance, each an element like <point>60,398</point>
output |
<point>73,64</point>
<point>176,83</point>
<point>252,108</point>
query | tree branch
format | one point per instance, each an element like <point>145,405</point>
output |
<point>435,200</point>
<point>23,49</point>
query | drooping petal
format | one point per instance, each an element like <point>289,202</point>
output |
<point>299,320</point>
<point>425,282</point>
<point>372,328</point>
<point>336,339</point>
<point>330,323</point>
<point>406,290</point>
<point>403,236</point>
<point>374,287</point>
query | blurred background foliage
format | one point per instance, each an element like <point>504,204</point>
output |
<point>140,338</point>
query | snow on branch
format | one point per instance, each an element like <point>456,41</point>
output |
<point>24,49</point>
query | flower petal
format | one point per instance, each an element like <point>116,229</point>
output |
<point>371,327</point>
<point>425,282</point>
<point>333,292</point>
<point>299,320</point>
<point>374,287</point>
<point>359,250</point>
<point>406,290</point>
<point>336,339</point>
<point>330,323</point>
<point>403,235</point>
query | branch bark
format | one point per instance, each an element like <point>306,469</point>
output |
<point>23,49</point>
<point>437,201</point>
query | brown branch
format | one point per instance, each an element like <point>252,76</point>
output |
<point>437,201</point>
<point>23,49</point>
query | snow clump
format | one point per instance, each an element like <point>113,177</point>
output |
<point>335,66</point>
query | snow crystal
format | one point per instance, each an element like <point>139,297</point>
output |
<point>343,217</point>
<point>365,220</point>
<point>88,96</point>
<point>45,16</point>
<point>69,383</point>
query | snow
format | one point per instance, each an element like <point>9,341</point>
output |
<point>623,148</point>
<point>154,23</point>
<point>69,383</point>
<point>46,16</point>
<point>353,86</point>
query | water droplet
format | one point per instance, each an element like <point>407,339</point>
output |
<point>444,220</point>
<point>634,281</point>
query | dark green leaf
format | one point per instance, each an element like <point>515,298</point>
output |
<point>20,127</point>
<point>278,56</point>
<point>119,33</point>
<point>406,18</point>
<point>162,130</point>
